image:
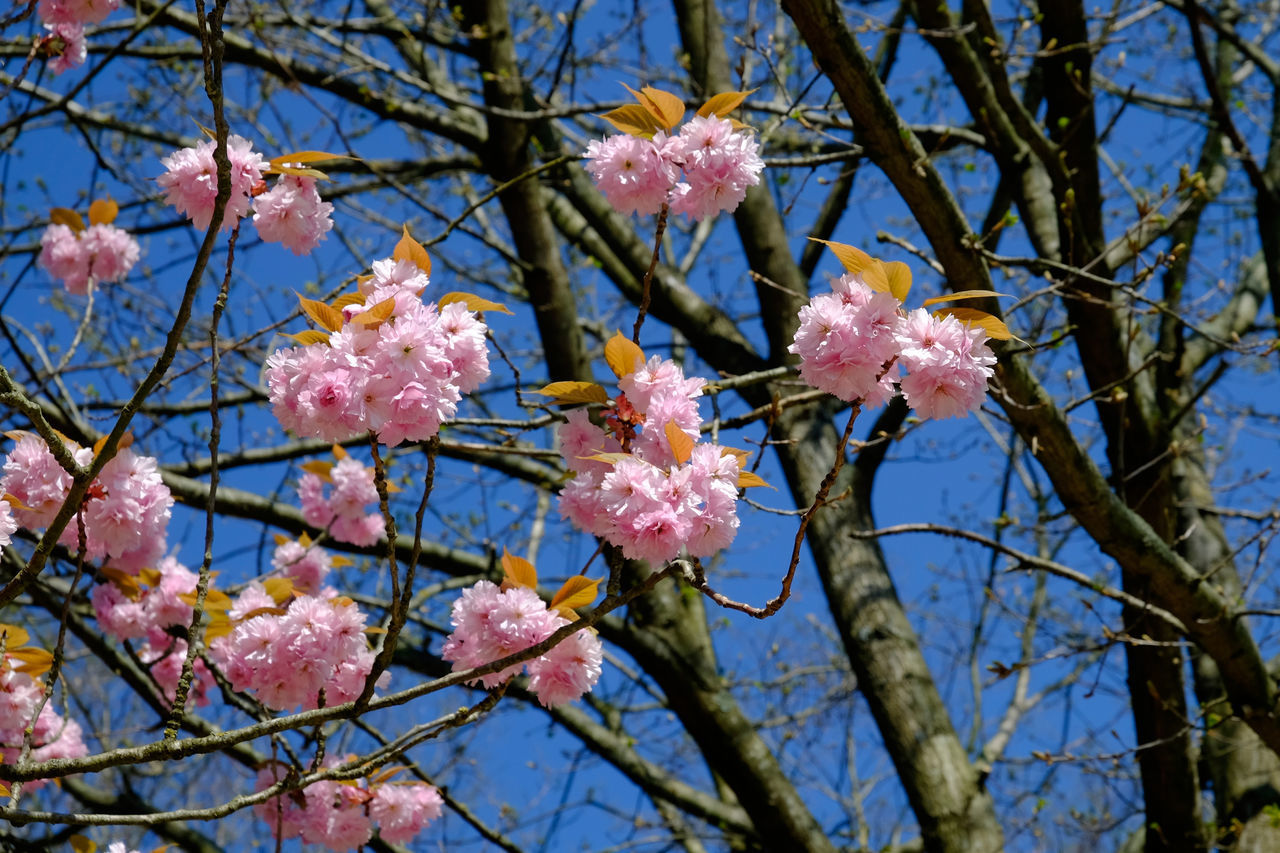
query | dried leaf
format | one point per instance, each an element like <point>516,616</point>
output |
<point>280,589</point>
<point>748,479</point>
<point>963,294</point>
<point>355,297</point>
<point>321,468</point>
<point>35,662</point>
<point>574,392</point>
<point>409,249</point>
<point>310,337</point>
<point>80,844</point>
<point>377,315</point>
<point>633,120</point>
<point>623,355</point>
<point>720,105</point>
<point>576,592</point>
<point>663,106</point>
<point>855,260</point>
<point>681,443</point>
<point>15,637</point>
<point>518,571</point>
<point>68,217</point>
<point>103,212</point>
<point>899,277</point>
<point>993,326</point>
<point>324,316</point>
<point>473,303</point>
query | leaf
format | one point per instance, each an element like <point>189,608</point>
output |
<point>35,662</point>
<point>473,303</point>
<point>633,120</point>
<point>963,294</point>
<point>68,217</point>
<point>385,775</point>
<point>310,337</point>
<point>377,315</point>
<point>856,261</point>
<point>325,316</point>
<point>281,539</point>
<point>125,582</point>
<point>993,326</point>
<point>300,171</point>
<point>681,443</point>
<point>103,212</point>
<point>339,452</point>
<point>306,157</point>
<point>610,458</point>
<point>320,467</point>
<point>577,591</point>
<point>219,626</point>
<point>280,589</point>
<point>663,106</point>
<point>355,297</point>
<point>743,455</point>
<point>261,611</point>
<point>409,249</point>
<point>214,599</point>
<point>720,105</point>
<point>14,501</point>
<point>518,570</point>
<point>899,277</point>
<point>150,577</point>
<point>338,561</point>
<point>622,355</point>
<point>574,392</point>
<point>15,637</point>
<point>748,479</point>
<point>80,844</point>
<point>375,629</point>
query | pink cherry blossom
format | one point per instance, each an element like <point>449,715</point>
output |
<point>948,364</point>
<point>846,342</point>
<point>401,811</point>
<point>293,214</point>
<point>66,44</point>
<point>8,524</point>
<point>65,257</point>
<point>719,165</point>
<point>190,181</point>
<point>569,669</point>
<point>635,174</point>
<point>82,11</point>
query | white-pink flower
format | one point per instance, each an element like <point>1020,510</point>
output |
<point>190,181</point>
<point>720,163</point>
<point>292,213</point>
<point>635,174</point>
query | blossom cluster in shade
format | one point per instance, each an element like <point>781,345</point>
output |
<point>99,254</point>
<point>340,508</point>
<point>52,736</point>
<point>286,654</point>
<point>639,174</point>
<point>491,623</point>
<point>290,213</point>
<point>344,816</point>
<point>125,513</point>
<point>144,609</point>
<point>647,503</point>
<point>853,342</point>
<point>120,847</point>
<point>400,377</point>
<point>65,21</point>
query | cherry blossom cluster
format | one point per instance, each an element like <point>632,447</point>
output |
<point>125,513</point>
<point>99,254</point>
<point>491,622</point>
<point>639,174</point>
<point>52,736</point>
<point>144,607</point>
<point>343,816</point>
<point>65,20</point>
<point>288,652</point>
<point>8,523</point>
<point>650,503</point>
<point>120,847</point>
<point>391,364</point>
<point>852,342</point>
<point>335,500</point>
<point>305,565</point>
<point>290,213</point>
